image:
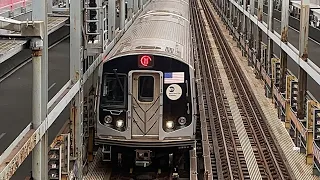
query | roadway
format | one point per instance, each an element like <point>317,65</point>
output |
<point>16,100</point>
<point>16,95</point>
<point>293,38</point>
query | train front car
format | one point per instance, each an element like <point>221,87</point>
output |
<point>146,108</point>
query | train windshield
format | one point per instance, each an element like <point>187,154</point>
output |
<point>113,89</point>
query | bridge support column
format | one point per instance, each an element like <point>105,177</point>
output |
<point>49,4</point>
<point>130,9</point>
<point>111,19</point>
<point>269,51</point>
<point>135,6</point>
<point>303,54</point>
<point>40,91</point>
<point>244,26</point>
<point>259,33</point>
<point>122,14</point>
<point>140,4</point>
<point>251,37</point>
<point>76,72</point>
<point>284,38</point>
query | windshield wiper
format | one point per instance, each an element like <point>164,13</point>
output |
<point>117,77</point>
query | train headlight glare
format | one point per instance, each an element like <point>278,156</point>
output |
<point>182,121</point>
<point>120,123</point>
<point>108,119</point>
<point>169,124</point>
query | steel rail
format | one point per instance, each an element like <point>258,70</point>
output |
<point>221,107</point>
<point>226,56</point>
<point>242,89</point>
<point>235,76</point>
<point>206,158</point>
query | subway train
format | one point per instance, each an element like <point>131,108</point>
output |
<point>146,112</point>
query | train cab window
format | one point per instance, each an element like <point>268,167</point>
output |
<point>146,88</point>
<point>113,90</point>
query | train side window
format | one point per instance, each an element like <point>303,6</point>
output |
<point>146,88</point>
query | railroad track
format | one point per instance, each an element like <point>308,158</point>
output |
<point>271,165</point>
<point>217,126</point>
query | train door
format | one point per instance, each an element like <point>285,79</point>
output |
<point>146,103</point>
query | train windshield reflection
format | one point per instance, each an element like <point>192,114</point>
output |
<point>113,93</point>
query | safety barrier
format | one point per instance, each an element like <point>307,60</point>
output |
<point>6,5</point>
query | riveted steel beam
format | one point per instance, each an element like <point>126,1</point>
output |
<point>270,41</point>
<point>310,67</point>
<point>40,89</point>
<point>76,74</point>
<point>130,9</point>
<point>122,13</point>
<point>18,151</point>
<point>303,54</point>
<point>251,13</point>
<point>284,39</point>
<point>111,19</point>
<point>259,34</point>
<point>135,6</point>
<point>244,21</point>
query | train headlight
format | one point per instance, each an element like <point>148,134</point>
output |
<point>120,123</point>
<point>182,121</point>
<point>108,119</point>
<point>170,124</point>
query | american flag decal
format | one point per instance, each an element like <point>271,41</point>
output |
<point>173,77</point>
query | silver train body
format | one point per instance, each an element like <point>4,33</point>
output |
<point>147,99</point>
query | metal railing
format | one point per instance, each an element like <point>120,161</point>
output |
<point>10,5</point>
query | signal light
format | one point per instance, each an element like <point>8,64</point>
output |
<point>145,61</point>
<point>92,16</point>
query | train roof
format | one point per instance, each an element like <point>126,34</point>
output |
<point>163,29</point>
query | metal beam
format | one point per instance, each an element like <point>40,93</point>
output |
<point>303,54</point>
<point>10,24</point>
<point>251,7</point>
<point>18,151</point>
<point>244,23</point>
<point>270,42</point>
<point>39,160</point>
<point>309,67</point>
<point>135,6</point>
<point>40,92</point>
<point>130,9</point>
<point>50,4</point>
<point>251,24</point>
<point>122,14</point>
<point>230,14</point>
<point>111,19</point>
<point>76,72</point>
<point>27,143</point>
<point>140,4</point>
<point>259,34</point>
<point>284,39</point>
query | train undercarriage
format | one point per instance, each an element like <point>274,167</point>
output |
<point>147,163</point>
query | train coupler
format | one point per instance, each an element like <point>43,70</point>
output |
<point>143,158</point>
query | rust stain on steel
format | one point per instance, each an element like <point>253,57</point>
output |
<point>304,55</point>
<point>259,14</point>
<point>284,34</point>
<point>36,53</point>
<point>18,155</point>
